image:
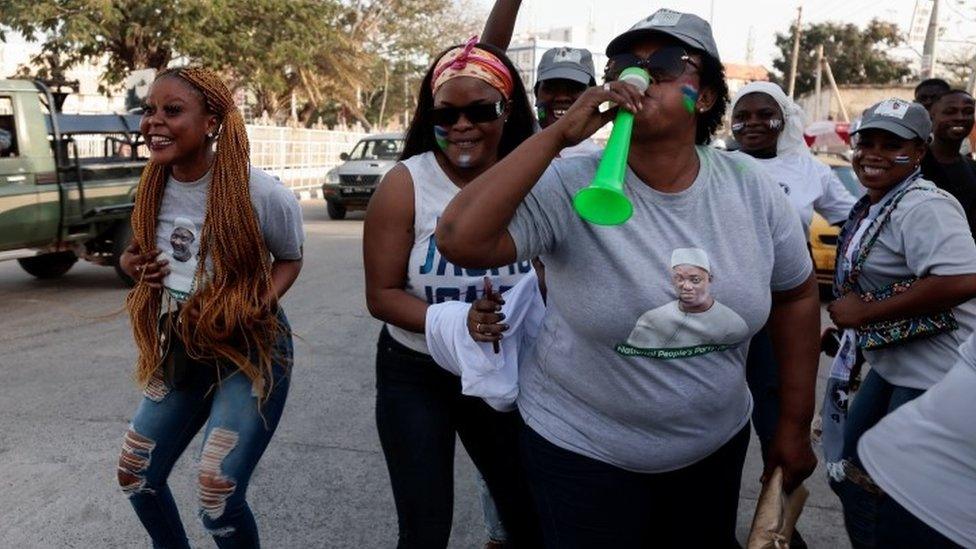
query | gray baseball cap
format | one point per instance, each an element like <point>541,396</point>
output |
<point>574,64</point>
<point>905,119</point>
<point>688,29</point>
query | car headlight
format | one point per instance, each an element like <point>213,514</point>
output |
<point>332,176</point>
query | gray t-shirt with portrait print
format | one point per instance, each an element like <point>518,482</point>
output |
<point>181,215</point>
<point>587,387</point>
<point>927,234</point>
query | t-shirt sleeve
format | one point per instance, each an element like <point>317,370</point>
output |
<point>836,201</point>
<point>791,257</point>
<point>281,224</point>
<point>936,238</point>
<point>540,220</point>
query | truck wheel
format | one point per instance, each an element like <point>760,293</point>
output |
<point>48,265</point>
<point>336,211</point>
<point>120,239</point>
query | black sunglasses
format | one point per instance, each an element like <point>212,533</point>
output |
<point>664,65</point>
<point>475,113</point>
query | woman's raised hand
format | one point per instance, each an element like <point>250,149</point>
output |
<point>584,118</point>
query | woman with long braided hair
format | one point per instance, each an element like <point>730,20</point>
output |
<point>216,243</point>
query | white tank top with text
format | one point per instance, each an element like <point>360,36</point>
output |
<point>430,276</point>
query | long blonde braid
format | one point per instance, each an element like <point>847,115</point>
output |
<point>236,324</point>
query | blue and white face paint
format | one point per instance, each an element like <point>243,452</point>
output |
<point>440,135</point>
<point>773,124</point>
<point>902,159</point>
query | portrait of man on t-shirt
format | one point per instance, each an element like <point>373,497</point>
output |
<point>694,322</point>
<point>182,251</point>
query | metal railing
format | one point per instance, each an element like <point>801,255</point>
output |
<point>300,157</point>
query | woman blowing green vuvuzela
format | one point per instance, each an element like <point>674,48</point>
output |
<point>634,398</point>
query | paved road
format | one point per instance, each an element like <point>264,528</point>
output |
<point>66,397</point>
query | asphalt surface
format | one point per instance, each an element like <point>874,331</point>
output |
<point>66,397</point>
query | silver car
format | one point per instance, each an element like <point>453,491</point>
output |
<point>350,185</point>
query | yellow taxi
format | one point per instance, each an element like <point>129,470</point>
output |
<point>823,236</point>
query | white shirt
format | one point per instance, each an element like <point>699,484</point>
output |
<point>485,374</point>
<point>810,185</point>
<point>430,276</point>
<point>923,454</point>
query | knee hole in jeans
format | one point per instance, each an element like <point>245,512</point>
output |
<point>214,487</point>
<point>133,462</point>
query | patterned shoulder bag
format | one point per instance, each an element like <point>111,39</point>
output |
<point>889,333</point>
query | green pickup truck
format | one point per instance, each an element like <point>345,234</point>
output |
<point>67,182</point>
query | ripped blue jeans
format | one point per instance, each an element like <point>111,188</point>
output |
<point>236,435</point>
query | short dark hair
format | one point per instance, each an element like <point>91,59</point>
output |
<point>953,91</point>
<point>519,126</point>
<point>938,82</point>
<point>711,75</point>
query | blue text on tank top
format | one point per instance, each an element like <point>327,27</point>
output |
<point>471,294</point>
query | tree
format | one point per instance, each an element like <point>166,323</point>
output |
<point>330,58</point>
<point>127,34</point>
<point>857,56</point>
<point>402,36</point>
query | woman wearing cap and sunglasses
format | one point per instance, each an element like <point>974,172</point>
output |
<point>625,445</point>
<point>906,273</point>
<point>472,111</point>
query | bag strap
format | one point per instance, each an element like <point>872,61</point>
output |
<point>874,232</point>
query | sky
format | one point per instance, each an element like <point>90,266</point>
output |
<point>733,19</point>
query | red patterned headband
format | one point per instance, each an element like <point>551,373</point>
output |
<point>476,63</point>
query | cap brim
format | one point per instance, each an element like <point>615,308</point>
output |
<point>568,73</point>
<point>622,42</point>
<point>889,126</point>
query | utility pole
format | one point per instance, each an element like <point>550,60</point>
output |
<point>816,94</point>
<point>796,50</point>
<point>836,90</point>
<point>931,41</point>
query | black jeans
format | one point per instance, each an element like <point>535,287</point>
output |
<point>762,374</point>
<point>585,503</point>
<point>899,529</point>
<point>419,409</point>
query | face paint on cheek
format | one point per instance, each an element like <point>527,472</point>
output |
<point>440,135</point>
<point>775,124</point>
<point>737,127</point>
<point>540,112</point>
<point>690,94</point>
<point>903,159</point>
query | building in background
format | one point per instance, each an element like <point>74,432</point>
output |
<point>527,49</point>
<point>738,75</point>
<point>88,99</point>
<point>856,97</point>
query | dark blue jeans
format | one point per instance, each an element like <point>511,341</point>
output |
<point>588,504</point>
<point>420,412</point>
<point>237,433</point>
<point>875,399</point>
